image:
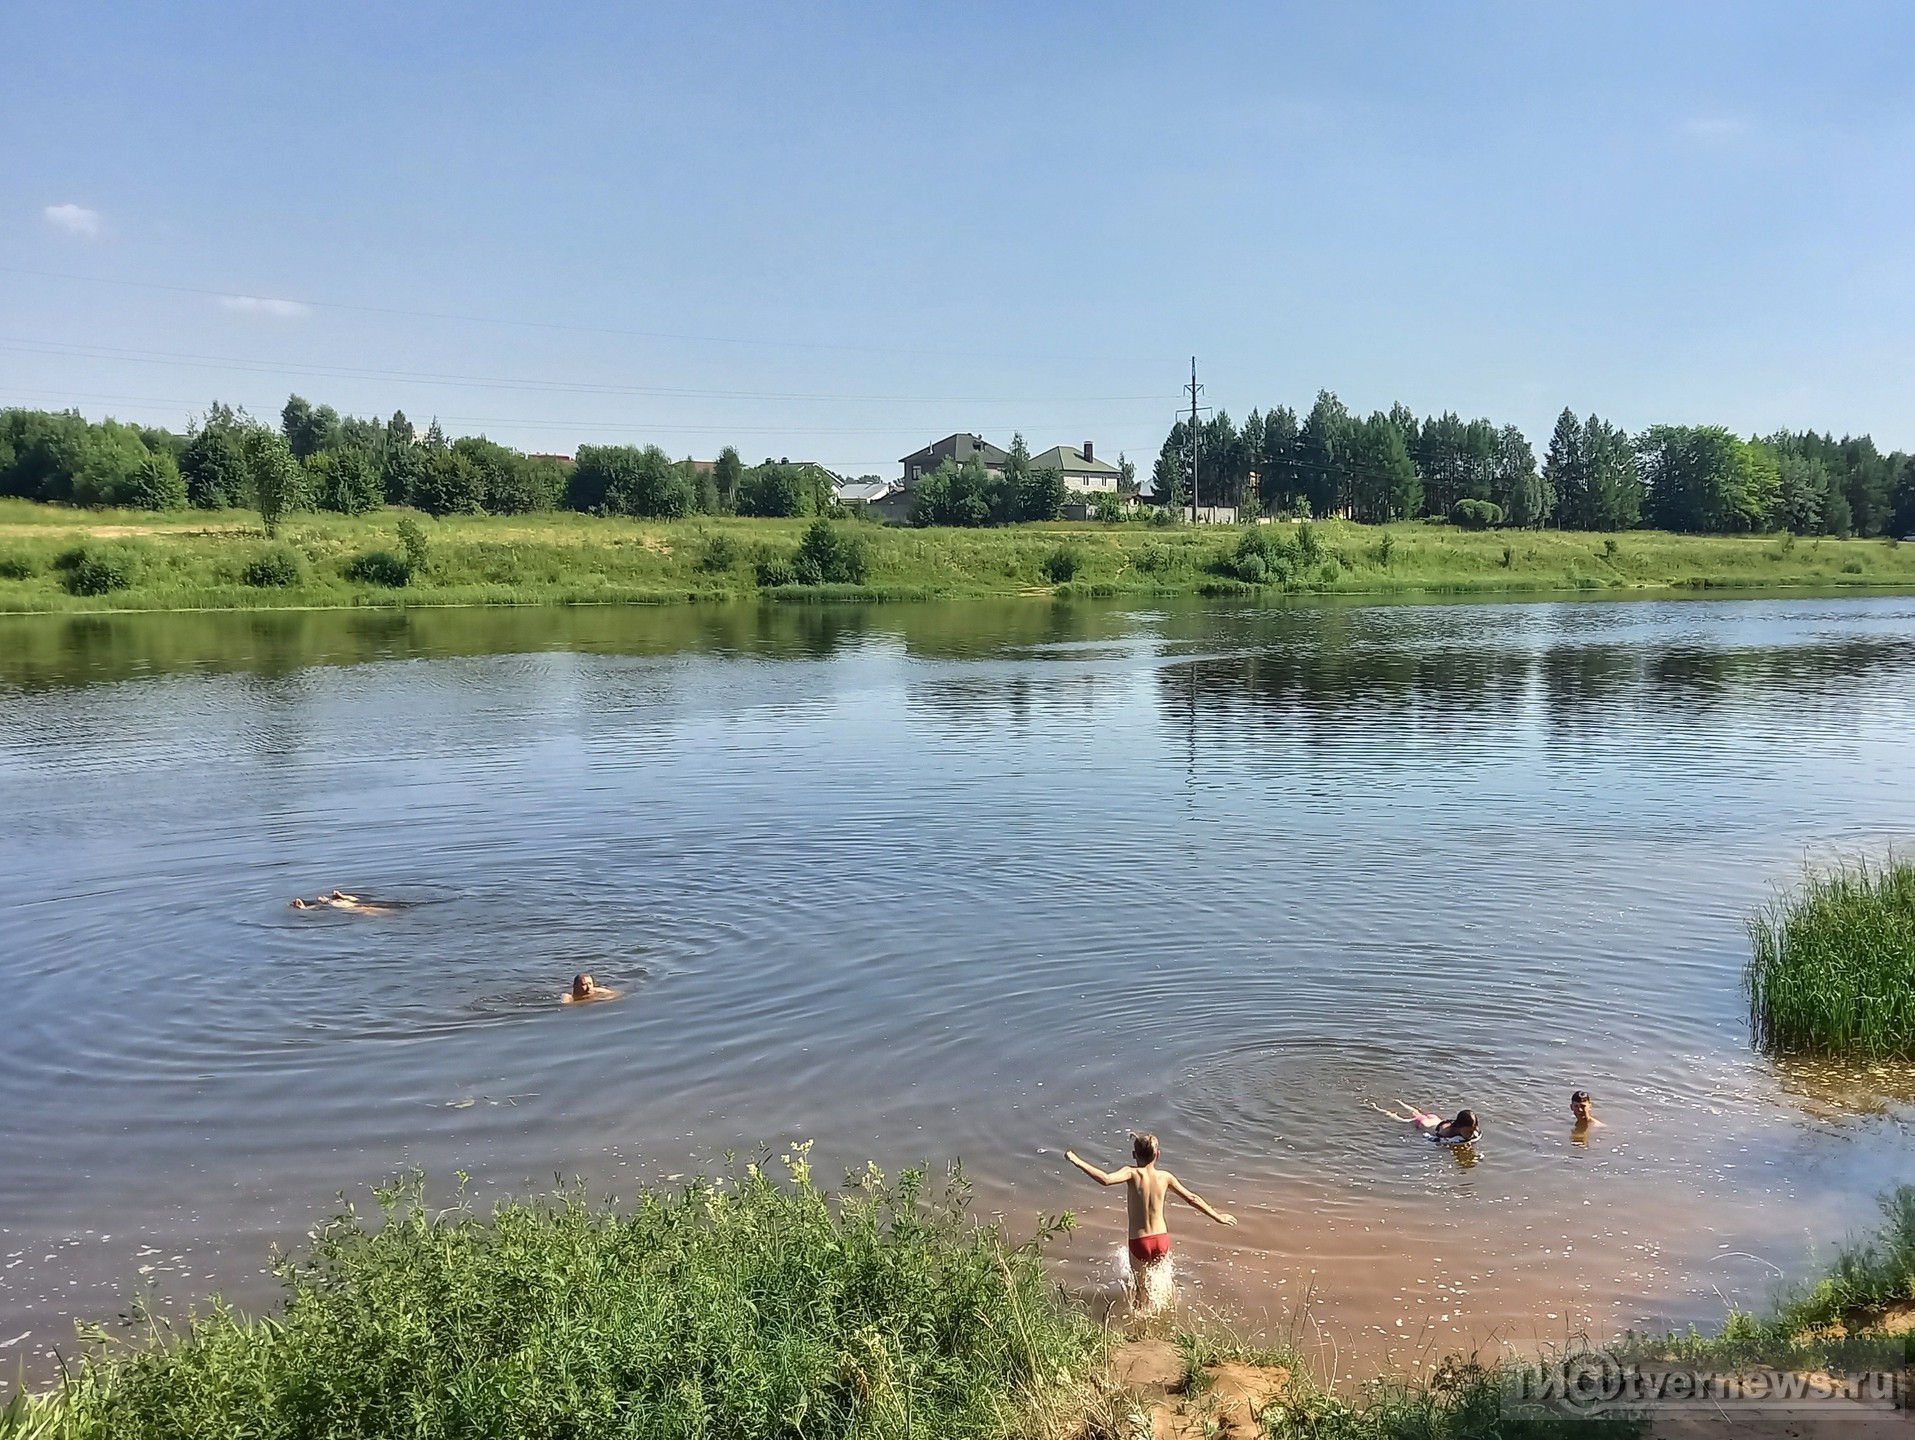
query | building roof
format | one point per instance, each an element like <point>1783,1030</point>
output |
<point>864,490</point>
<point>961,447</point>
<point>1072,462</point>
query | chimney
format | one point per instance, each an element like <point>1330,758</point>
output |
<point>1087,452</point>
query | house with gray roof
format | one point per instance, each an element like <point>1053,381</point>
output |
<point>1083,471</point>
<point>952,447</point>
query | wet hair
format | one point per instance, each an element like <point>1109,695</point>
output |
<point>582,983</point>
<point>1465,1120</point>
<point>1581,1097</point>
<point>1143,1147</point>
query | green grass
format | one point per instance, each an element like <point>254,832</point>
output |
<point>737,1308</point>
<point>201,560</point>
<point>1833,965</point>
<point>1832,1324</point>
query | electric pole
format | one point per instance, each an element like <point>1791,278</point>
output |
<point>1195,390</point>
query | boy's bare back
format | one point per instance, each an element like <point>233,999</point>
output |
<point>1145,1187</point>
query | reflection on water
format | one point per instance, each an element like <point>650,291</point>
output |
<point>976,879</point>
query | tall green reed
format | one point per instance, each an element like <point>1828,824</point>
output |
<point>1833,964</point>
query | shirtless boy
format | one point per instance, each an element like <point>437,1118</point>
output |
<point>585,990</point>
<point>1147,1185</point>
<point>1582,1114</point>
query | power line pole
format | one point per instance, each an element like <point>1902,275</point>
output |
<point>1195,390</point>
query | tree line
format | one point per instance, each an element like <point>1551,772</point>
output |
<point>1594,475</point>
<point>316,458</point>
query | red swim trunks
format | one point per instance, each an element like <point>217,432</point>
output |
<point>1145,1248</point>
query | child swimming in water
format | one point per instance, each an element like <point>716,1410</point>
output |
<point>338,900</point>
<point>1459,1131</point>
<point>1582,1113</point>
<point>1144,1199</point>
<point>585,990</point>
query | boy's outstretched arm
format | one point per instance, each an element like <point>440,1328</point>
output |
<point>1192,1198</point>
<point>1102,1177</point>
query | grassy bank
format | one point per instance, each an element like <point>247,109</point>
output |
<point>1860,1315</point>
<point>56,559</point>
<point>1833,968</point>
<point>735,1309</point>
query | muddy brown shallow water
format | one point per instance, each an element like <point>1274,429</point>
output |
<point>976,880</point>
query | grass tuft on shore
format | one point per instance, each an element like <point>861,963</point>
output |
<point>1833,965</point>
<point>736,1307</point>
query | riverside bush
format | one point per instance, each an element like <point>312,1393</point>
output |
<point>737,1308</point>
<point>1061,565</point>
<point>1476,514</point>
<point>96,569</point>
<point>1832,968</point>
<point>829,556</point>
<point>279,566</point>
<point>379,567</point>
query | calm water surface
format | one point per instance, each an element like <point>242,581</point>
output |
<point>979,881</point>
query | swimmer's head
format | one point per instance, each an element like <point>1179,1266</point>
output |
<point>300,903</point>
<point>583,986</point>
<point>1580,1106</point>
<point>1143,1148</point>
<point>1464,1123</point>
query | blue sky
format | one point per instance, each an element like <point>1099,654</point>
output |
<point>836,232</point>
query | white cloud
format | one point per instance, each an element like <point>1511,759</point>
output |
<point>75,220</point>
<point>1715,129</point>
<point>262,305</point>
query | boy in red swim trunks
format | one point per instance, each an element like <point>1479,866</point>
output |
<point>1147,1185</point>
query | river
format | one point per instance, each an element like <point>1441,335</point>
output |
<point>977,880</point>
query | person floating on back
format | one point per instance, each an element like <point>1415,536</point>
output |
<point>337,900</point>
<point>585,990</point>
<point>1144,1198</point>
<point>1582,1113</point>
<point>1459,1131</point>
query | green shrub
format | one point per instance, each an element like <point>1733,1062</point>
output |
<point>737,1307</point>
<point>17,567</point>
<point>1832,968</point>
<point>771,570</point>
<point>155,484</point>
<point>96,569</point>
<point>279,566</point>
<point>718,554</point>
<point>379,567</point>
<point>1261,558</point>
<point>1476,514</point>
<point>830,556</point>
<point>412,540</point>
<point>1161,559</point>
<point>1852,567</point>
<point>1061,565</point>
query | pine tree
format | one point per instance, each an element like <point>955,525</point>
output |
<point>1567,474</point>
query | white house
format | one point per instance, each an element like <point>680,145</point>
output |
<point>1084,473</point>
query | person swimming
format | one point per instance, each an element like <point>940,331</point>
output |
<point>1459,1131</point>
<point>1582,1114</point>
<point>1146,1188</point>
<point>585,990</point>
<point>338,900</point>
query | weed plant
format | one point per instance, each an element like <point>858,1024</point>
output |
<point>1833,964</point>
<point>735,1309</point>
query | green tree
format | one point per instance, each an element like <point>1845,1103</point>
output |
<point>1611,494</point>
<point>1383,483</point>
<point>1277,471</point>
<point>1320,452</point>
<point>1517,489</point>
<point>955,494</point>
<point>1044,495</point>
<point>625,480</point>
<point>156,484</point>
<point>772,490</point>
<point>273,476</point>
<point>1015,495</point>
<point>1700,479</point>
<point>728,472</point>
<point>214,461</point>
<point>308,431</point>
<point>1169,479</point>
<point>345,481</point>
<point>1565,473</point>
